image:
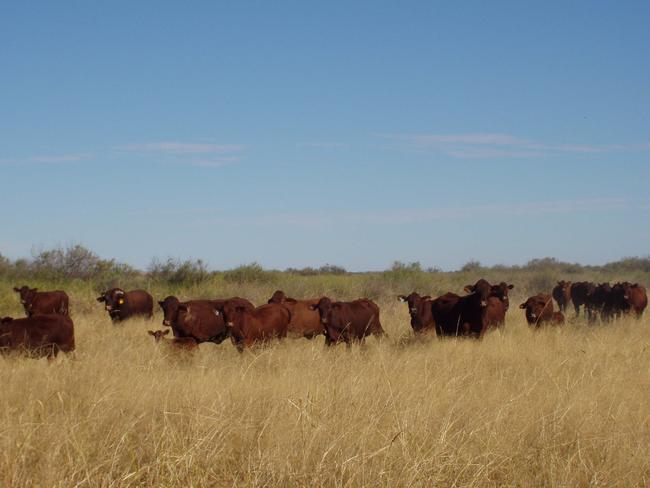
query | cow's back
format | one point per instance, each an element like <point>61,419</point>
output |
<point>50,302</point>
<point>41,334</point>
<point>139,302</point>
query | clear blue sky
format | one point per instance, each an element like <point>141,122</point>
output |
<point>304,133</point>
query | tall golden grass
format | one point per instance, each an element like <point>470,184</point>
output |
<point>559,407</point>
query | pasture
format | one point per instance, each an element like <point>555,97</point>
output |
<point>563,406</point>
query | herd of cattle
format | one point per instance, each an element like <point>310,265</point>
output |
<point>48,329</point>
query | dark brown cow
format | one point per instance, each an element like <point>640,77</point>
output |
<point>43,302</point>
<point>539,310</point>
<point>420,311</point>
<point>305,322</point>
<point>597,298</point>
<point>469,315</point>
<point>200,319</point>
<point>122,305</point>
<point>562,294</point>
<point>248,327</point>
<point>348,321</point>
<point>181,343</point>
<point>624,298</point>
<point>500,291</point>
<point>39,335</point>
<point>579,293</point>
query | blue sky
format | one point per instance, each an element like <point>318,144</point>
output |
<point>303,133</point>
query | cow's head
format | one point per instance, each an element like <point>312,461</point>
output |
<point>482,289</point>
<point>324,309</point>
<point>416,303</point>
<point>170,310</point>
<point>27,295</point>
<point>277,297</point>
<point>158,334</point>
<point>113,299</point>
<point>565,286</point>
<point>536,306</point>
<point>500,291</point>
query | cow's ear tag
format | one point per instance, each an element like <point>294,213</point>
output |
<point>120,301</point>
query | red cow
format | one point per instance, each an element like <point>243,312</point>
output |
<point>43,302</point>
<point>40,335</point>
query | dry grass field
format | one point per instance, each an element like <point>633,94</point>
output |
<point>557,407</point>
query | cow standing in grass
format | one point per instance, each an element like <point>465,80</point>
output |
<point>38,335</point>
<point>43,302</point>
<point>122,305</point>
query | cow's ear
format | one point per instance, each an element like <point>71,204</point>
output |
<point>469,289</point>
<point>165,332</point>
<point>510,287</point>
<point>101,299</point>
<point>162,304</point>
<point>523,305</point>
<point>17,290</point>
<point>151,332</point>
<point>401,298</point>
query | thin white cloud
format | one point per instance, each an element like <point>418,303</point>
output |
<point>410,216</point>
<point>181,148</point>
<point>324,145</point>
<point>48,159</point>
<point>493,145</point>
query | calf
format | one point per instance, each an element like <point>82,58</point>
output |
<point>122,305</point>
<point>305,322</point>
<point>539,310</point>
<point>43,302</point>
<point>262,324</point>
<point>420,311</point>
<point>562,294</point>
<point>348,321</point>
<point>180,343</point>
<point>39,335</point>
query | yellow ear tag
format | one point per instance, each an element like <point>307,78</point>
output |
<point>120,301</point>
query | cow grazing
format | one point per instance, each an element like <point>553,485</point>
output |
<point>562,294</point>
<point>180,343</point>
<point>248,327</point>
<point>305,322</point>
<point>200,319</point>
<point>420,311</point>
<point>579,292</point>
<point>43,302</point>
<point>348,321</point>
<point>539,310</point>
<point>38,335</point>
<point>122,305</point>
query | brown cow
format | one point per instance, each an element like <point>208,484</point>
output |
<point>122,305</point>
<point>597,298</point>
<point>469,315</point>
<point>500,291</point>
<point>39,335</point>
<point>420,312</point>
<point>579,293</point>
<point>539,310</point>
<point>562,294</point>
<point>180,343</point>
<point>636,297</point>
<point>199,319</point>
<point>625,298</point>
<point>263,324</point>
<point>43,302</point>
<point>348,321</point>
<point>305,322</point>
